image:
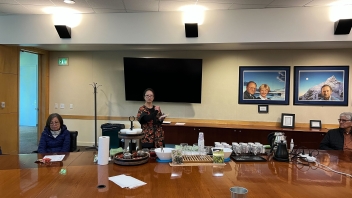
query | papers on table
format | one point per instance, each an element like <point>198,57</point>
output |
<point>55,158</point>
<point>180,123</point>
<point>166,122</point>
<point>125,181</point>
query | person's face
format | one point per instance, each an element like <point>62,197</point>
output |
<point>264,92</point>
<point>149,96</point>
<point>344,122</point>
<point>55,124</point>
<point>251,87</point>
<point>326,92</point>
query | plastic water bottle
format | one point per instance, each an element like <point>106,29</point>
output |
<point>201,143</point>
<point>291,145</point>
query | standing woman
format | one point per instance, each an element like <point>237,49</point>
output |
<point>55,137</point>
<point>151,118</point>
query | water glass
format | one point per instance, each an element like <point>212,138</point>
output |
<point>195,149</point>
<point>176,156</point>
<point>184,148</point>
<point>238,192</point>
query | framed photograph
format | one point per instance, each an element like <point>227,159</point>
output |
<point>315,124</point>
<point>263,108</point>
<point>264,85</point>
<point>287,120</point>
<point>321,85</point>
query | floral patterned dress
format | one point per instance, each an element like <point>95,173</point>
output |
<point>151,125</point>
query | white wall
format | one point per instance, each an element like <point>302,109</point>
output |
<point>70,85</point>
<point>232,26</point>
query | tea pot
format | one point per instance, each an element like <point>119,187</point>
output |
<point>281,153</point>
<point>275,138</point>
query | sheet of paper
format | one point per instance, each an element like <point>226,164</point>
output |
<point>166,122</point>
<point>180,123</point>
<point>55,158</point>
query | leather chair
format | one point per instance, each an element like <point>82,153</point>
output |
<point>73,144</point>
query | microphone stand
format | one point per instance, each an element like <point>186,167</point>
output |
<point>95,146</point>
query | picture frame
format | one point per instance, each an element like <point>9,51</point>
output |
<point>263,108</point>
<point>273,81</point>
<point>316,124</point>
<point>321,85</point>
<point>287,120</point>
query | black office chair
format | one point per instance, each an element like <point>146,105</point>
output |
<point>73,142</point>
<point>0,151</point>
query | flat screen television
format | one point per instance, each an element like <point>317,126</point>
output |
<point>173,80</point>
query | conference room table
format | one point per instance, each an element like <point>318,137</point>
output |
<point>78,176</point>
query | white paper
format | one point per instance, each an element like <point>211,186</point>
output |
<point>180,123</point>
<point>166,122</point>
<point>126,181</point>
<point>55,158</point>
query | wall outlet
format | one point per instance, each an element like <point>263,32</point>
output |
<point>62,105</point>
<point>56,105</point>
<point>3,105</point>
<point>71,106</point>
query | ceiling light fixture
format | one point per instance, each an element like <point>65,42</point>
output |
<point>69,1</point>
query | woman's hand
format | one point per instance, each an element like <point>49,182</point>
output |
<point>157,108</point>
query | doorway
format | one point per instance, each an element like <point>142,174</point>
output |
<point>28,102</point>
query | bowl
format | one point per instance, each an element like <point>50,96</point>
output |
<point>129,131</point>
<point>166,155</point>
<point>227,151</point>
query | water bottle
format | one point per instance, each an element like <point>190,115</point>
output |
<point>201,143</point>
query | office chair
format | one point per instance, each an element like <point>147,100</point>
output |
<point>0,151</point>
<point>73,139</point>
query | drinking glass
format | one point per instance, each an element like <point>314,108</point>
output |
<point>184,148</point>
<point>195,149</point>
<point>152,153</point>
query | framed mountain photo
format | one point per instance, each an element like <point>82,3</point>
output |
<point>321,85</point>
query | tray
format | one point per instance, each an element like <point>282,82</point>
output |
<point>247,158</point>
<point>198,164</point>
<point>131,162</point>
<point>197,159</point>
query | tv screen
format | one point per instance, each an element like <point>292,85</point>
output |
<point>173,80</point>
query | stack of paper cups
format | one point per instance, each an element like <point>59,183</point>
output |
<point>103,150</point>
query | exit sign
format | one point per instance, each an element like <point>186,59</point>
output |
<point>63,61</point>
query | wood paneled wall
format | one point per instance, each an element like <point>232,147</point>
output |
<point>9,62</point>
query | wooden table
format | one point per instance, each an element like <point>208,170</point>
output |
<point>21,177</point>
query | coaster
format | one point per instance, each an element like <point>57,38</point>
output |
<point>163,161</point>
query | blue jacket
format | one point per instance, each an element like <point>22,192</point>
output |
<point>49,144</point>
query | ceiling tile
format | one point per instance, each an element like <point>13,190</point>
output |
<point>39,9</point>
<point>237,7</point>
<point>79,3</point>
<point>101,10</point>
<point>14,9</point>
<point>8,2</point>
<point>173,5</point>
<point>109,4</point>
<point>254,2</point>
<point>36,2</point>
<point>215,6</point>
<point>142,5</point>
<point>288,3</point>
<point>329,2</point>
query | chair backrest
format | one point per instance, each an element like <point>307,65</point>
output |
<point>0,151</point>
<point>73,137</point>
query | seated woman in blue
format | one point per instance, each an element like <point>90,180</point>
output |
<point>55,137</point>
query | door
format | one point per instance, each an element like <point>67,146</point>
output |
<point>28,102</point>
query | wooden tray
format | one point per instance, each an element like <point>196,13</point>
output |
<point>198,164</point>
<point>197,159</point>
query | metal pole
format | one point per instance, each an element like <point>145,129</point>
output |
<point>95,146</point>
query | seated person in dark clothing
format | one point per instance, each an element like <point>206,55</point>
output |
<point>341,138</point>
<point>55,137</point>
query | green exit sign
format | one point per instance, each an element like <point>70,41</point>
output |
<point>63,61</point>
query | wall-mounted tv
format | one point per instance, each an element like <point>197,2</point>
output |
<point>173,80</point>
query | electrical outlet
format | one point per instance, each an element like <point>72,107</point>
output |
<point>71,106</point>
<point>3,105</point>
<point>56,105</point>
<point>62,105</point>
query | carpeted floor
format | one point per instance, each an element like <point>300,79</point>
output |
<point>28,139</point>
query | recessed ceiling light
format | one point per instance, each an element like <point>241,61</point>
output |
<point>69,1</point>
